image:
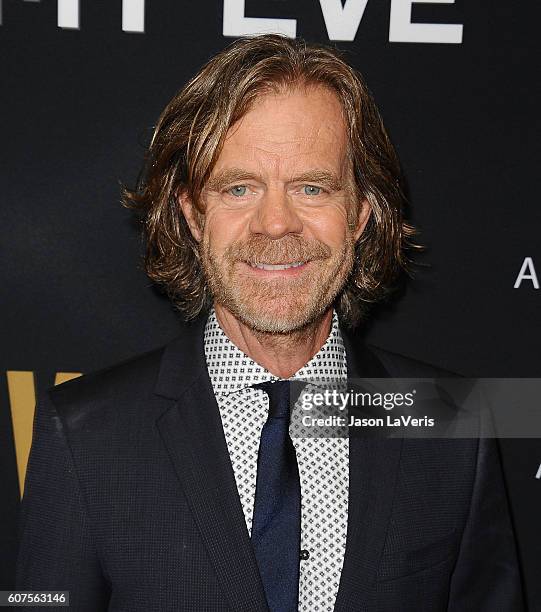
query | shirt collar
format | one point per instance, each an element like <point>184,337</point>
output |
<point>231,370</point>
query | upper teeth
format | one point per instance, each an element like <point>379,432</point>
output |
<point>261,266</point>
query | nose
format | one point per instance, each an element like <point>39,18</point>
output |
<point>275,215</point>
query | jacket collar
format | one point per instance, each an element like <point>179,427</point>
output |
<point>183,361</point>
<point>362,362</point>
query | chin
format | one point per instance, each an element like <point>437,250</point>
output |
<point>272,325</point>
<point>280,319</point>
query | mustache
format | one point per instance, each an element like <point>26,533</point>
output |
<point>289,249</point>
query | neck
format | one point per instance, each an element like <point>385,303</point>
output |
<point>280,354</point>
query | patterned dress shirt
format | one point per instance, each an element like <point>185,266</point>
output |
<point>323,461</point>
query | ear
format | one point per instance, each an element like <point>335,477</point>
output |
<point>190,214</point>
<point>362,218</point>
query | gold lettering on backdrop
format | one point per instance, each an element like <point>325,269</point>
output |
<point>22,399</point>
<point>62,377</point>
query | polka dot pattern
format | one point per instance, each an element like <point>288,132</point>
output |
<point>323,461</point>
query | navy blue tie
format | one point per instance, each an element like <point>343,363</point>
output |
<point>276,525</point>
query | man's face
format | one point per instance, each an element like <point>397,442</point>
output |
<point>276,246</point>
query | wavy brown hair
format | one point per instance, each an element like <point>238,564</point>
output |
<point>187,142</point>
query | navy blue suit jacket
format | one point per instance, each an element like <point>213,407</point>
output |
<point>131,504</point>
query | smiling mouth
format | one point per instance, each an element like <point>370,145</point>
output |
<point>277,267</point>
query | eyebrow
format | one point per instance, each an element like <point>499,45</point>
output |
<point>229,176</point>
<point>321,177</point>
<point>238,175</point>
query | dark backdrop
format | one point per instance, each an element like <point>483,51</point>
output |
<point>78,106</point>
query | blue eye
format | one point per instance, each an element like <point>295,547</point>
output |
<point>311,190</point>
<point>238,190</point>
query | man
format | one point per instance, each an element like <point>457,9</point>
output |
<point>273,215</point>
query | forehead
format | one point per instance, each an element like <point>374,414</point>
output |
<point>295,128</point>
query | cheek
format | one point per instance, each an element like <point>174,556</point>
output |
<point>327,225</point>
<point>222,228</point>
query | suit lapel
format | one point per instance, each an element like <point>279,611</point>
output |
<point>192,432</point>
<point>373,469</point>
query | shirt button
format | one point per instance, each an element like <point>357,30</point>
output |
<point>304,554</point>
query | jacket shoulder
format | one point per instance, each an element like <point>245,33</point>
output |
<point>400,366</point>
<point>121,385</point>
